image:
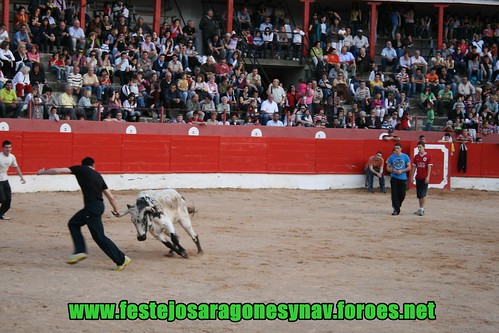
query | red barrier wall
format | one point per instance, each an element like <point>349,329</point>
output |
<point>125,153</point>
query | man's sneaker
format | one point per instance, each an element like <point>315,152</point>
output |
<point>5,217</point>
<point>421,212</point>
<point>395,212</point>
<point>75,258</point>
<point>120,267</point>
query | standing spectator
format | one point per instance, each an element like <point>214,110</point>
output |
<point>430,116</point>
<point>398,165</point>
<point>7,160</point>
<point>297,42</point>
<point>207,26</point>
<point>374,167</point>
<point>422,166</point>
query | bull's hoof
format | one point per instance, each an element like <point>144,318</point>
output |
<point>184,254</point>
<point>170,254</point>
<point>200,252</point>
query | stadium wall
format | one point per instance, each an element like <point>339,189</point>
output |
<point>144,161</point>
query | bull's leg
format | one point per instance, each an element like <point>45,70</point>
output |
<point>185,222</point>
<point>179,249</point>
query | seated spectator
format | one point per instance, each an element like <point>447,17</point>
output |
<point>91,82</point>
<point>359,41</point>
<point>48,100</point>
<point>360,120</point>
<point>405,82</point>
<point>389,57</point>
<point>179,119</point>
<point>22,37</point>
<point>347,61</point>
<point>364,61</point>
<point>275,122</point>
<point>192,105</point>
<point>268,108</point>
<point>223,106</point>
<point>449,126</point>
<point>213,119</point>
<point>465,87</point>
<point>8,101</point>
<point>21,82</point>
<point>77,36</point>
<point>58,67</point>
<point>129,109</point>
<point>67,102</point>
<point>53,114</point>
<point>122,68</point>
<point>445,100</point>
<point>174,101</point>
<point>7,58</point>
<point>418,61</point>
<point>362,95</point>
<point>21,58</point>
<point>374,121</point>
<point>75,80</point>
<point>432,81</point>
<point>196,119</point>
<point>85,106</point>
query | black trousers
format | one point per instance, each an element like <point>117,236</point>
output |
<point>5,197</point>
<point>399,188</point>
<point>91,216</point>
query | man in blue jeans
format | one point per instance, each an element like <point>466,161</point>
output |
<point>398,165</point>
<point>374,168</point>
<point>93,186</point>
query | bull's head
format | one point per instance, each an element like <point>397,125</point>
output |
<point>141,215</point>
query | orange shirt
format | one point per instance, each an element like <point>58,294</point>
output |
<point>333,58</point>
<point>432,78</point>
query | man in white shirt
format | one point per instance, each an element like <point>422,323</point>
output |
<point>77,36</point>
<point>7,160</point>
<point>278,92</point>
<point>267,109</point>
<point>359,41</point>
<point>419,62</point>
<point>275,122</point>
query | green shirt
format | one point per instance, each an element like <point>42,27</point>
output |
<point>445,96</point>
<point>8,96</point>
<point>430,116</point>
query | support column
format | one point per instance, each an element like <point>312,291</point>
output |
<point>372,28</point>
<point>6,14</point>
<point>156,20</point>
<point>83,5</point>
<point>306,16</point>
<point>230,15</point>
<point>440,36</point>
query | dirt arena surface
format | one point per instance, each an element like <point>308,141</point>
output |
<point>262,246</point>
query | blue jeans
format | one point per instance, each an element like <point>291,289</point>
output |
<point>370,180</point>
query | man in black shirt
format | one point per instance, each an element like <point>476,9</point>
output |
<point>92,185</point>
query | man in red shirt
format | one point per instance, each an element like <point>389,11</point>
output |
<point>422,170</point>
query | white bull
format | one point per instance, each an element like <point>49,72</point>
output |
<point>156,211</point>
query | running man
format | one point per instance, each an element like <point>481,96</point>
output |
<point>398,165</point>
<point>7,160</point>
<point>422,170</point>
<point>93,186</point>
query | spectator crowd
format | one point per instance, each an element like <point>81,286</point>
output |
<point>116,68</point>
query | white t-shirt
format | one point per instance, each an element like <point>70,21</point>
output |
<point>5,163</point>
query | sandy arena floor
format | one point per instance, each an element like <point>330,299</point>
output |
<point>262,246</point>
